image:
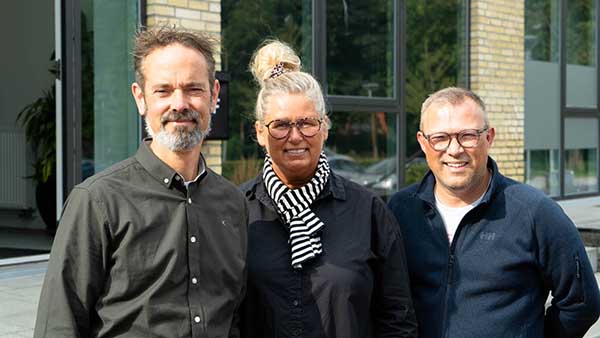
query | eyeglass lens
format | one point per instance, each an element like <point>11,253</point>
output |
<point>281,128</point>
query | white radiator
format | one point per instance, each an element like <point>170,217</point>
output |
<point>15,188</point>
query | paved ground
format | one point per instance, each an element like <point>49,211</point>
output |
<point>20,289</point>
<point>20,284</point>
<point>19,293</point>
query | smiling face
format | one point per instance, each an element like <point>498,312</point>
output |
<point>461,173</point>
<point>296,156</point>
<point>176,100</point>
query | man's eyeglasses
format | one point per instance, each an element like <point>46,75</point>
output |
<point>468,138</point>
<point>280,129</point>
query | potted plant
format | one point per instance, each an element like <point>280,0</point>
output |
<point>39,121</point>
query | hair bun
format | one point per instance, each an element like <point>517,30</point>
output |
<point>272,59</point>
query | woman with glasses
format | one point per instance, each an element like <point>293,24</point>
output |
<point>325,256</point>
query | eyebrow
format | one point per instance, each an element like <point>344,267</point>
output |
<point>194,84</point>
<point>186,85</point>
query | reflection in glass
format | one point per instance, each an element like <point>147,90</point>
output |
<point>362,147</point>
<point>541,30</point>
<point>542,99</point>
<point>581,53</point>
<point>244,26</point>
<point>542,170</point>
<point>581,149</point>
<point>110,129</point>
<point>360,48</point>
<point>435,58</point>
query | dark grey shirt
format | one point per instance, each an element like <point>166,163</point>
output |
<point>139,255</point>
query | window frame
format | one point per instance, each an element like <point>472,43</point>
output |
<point>567,111</point>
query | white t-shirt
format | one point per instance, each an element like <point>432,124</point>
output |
<point>453,216</point>
<point>201,171</point>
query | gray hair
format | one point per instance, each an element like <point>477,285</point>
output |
<point>453,96</point>
<point>277,69</point>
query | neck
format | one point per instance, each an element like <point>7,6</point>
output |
<point>183,162</point>
<point>460,198</point>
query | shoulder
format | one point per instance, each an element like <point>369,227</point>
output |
<point>249,185</point>
<point>406,195</point>
<point>115,173</point>
<point>344,188</point>
<point>523,198</point>
<point>529,206</point>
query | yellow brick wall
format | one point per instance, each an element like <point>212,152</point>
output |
<point>498,76</point>
<point>198,15</point>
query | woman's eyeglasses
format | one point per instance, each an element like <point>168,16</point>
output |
<point>280,129</point>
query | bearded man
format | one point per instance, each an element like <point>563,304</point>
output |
<point>155,245</point>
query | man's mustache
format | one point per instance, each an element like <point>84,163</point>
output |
<point>190,115</point>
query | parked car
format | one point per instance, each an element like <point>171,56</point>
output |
<point>387,175</point>
<point>347,167</point>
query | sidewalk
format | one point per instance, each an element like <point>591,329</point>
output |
<point>20,285</point>
<point>20,289</point>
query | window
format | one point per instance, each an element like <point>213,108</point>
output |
<point>561,111</point>
<point>361,51</point>
<point>110,129</point>
<point>581,155</point>
<point>581,53</point>
<point>356,50</point>
<point>362,147</point>
<point>542,96</point>
<point>245,25</point>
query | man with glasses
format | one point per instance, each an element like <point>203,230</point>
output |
<point>483,250</point>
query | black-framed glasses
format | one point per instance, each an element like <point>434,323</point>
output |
<point>280,129</point>
<point>468,138</point>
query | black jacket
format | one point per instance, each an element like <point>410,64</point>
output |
<point>358,286</point>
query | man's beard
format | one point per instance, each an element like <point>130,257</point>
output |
<point>180,139</point>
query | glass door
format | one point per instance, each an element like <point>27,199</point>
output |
<point>28,128</point>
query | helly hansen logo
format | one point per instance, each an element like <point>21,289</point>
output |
<point>487,236</point>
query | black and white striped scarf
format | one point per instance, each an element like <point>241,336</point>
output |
<point>294,206</point>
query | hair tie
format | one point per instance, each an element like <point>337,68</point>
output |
<point>277,70</point>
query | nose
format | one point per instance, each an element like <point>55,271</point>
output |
<point>454,147</point>
<point>295,135</point>
<point>179,101</point>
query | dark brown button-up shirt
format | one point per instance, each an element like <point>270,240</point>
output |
<point>137,254</point>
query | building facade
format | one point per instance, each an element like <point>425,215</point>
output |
<point>69,112</point>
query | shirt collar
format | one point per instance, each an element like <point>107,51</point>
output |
<point>159,169</point>
<point>334,187</point>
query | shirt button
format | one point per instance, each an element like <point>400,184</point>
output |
<point>193,239</point>
<point>166,180</point>
<point>197,319</point>
<point>189,201</point>
<point>295,303</point>
<point>194,280</point>
<point>177,178</point>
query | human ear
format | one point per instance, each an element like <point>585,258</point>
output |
<point>138,96</point>
<point>261,134</point>
<point>422,141</point>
